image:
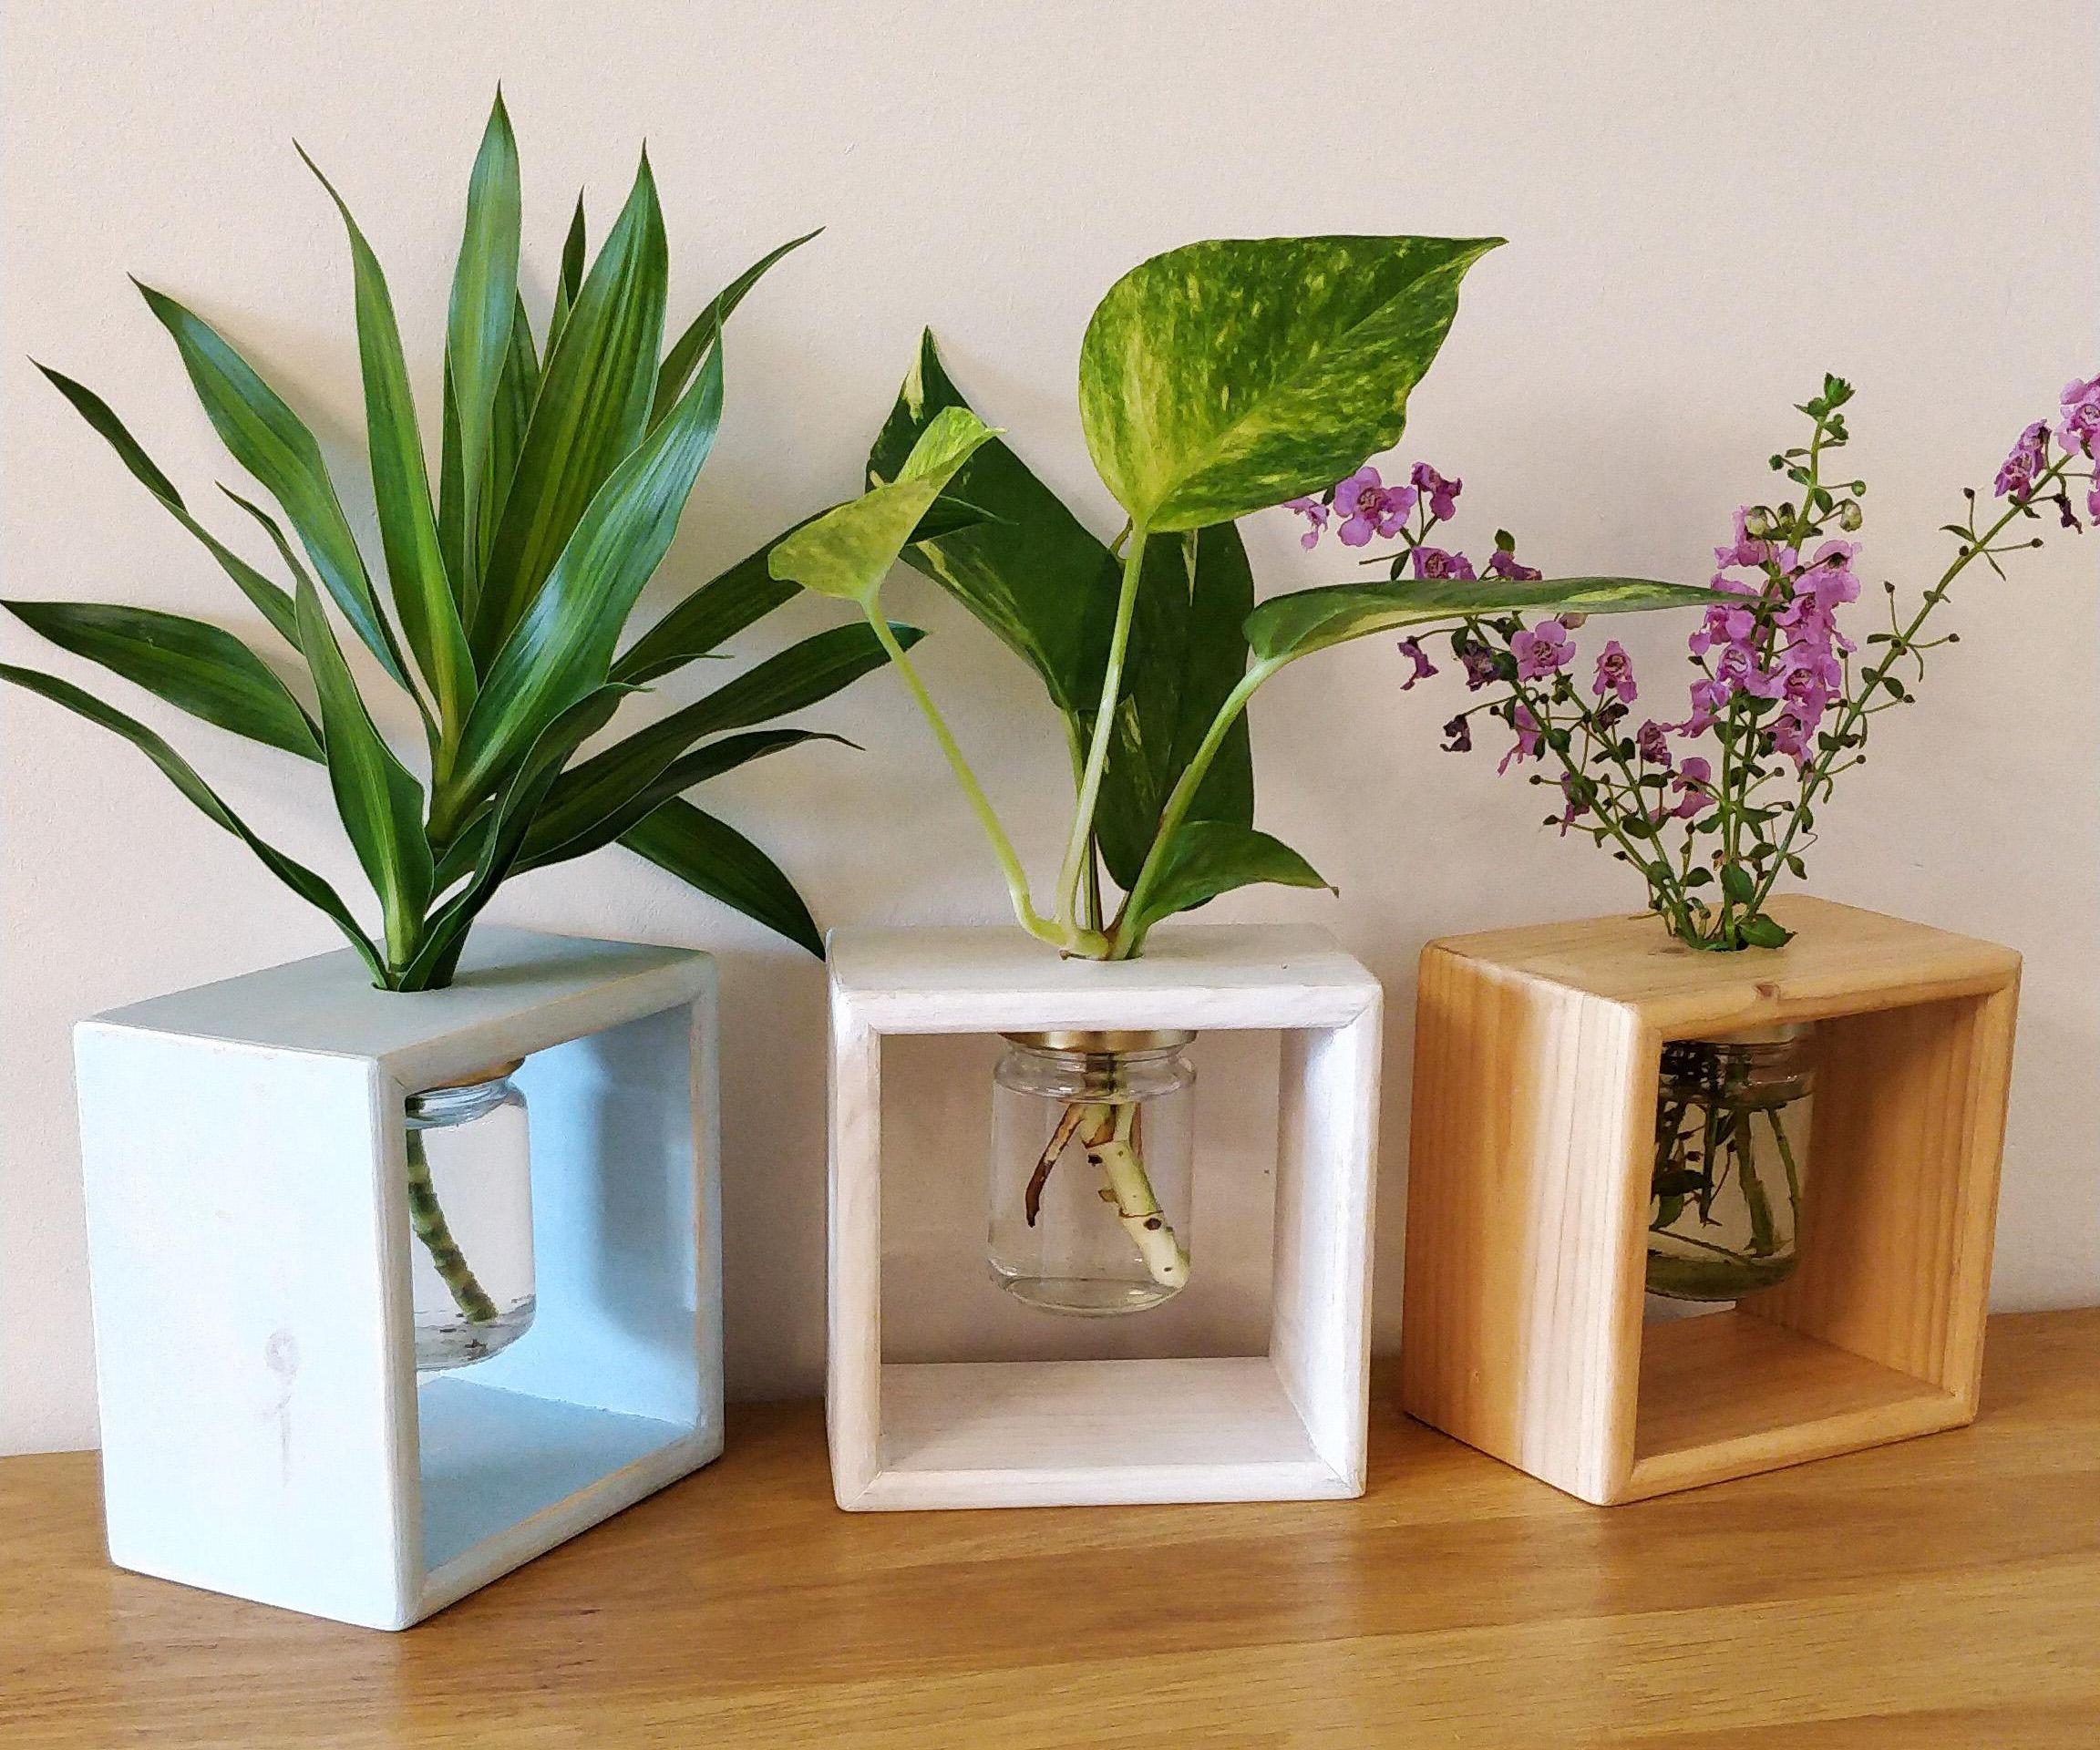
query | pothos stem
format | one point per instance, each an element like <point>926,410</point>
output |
<point>1116,1154</point>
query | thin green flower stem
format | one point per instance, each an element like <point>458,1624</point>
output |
<point>980,804</point>
<point>430,1227</point>
<point>1078,846</point>
<point>1820,773</point>
<point>1129,934</point>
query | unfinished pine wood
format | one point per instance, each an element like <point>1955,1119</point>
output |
<point>1536,1056</point>
<point>1944,1594</point>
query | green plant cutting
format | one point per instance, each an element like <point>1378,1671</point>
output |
<point>566,459</point>
<point>1216,380</point>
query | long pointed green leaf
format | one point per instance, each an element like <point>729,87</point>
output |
<point>275,602</point>
<point>478,324</point>
<point>1289,626</point>
<point>1031,572</point>
<point>677,367</point>
<point>562,649</point>
<point>301,880</point>
<point>559,835</point>
<point>795,678</point>
<point>575,246</point>
<point>272,443</point>
<point>1208,858</point>
<point>379,800</point>
<point>407,521</point>
<point>849,549</point>
<point>195,667</point>
<point>1225,376</point>
<point>592,412</point>
<point>503,836</point>
<point>709,854</point>
<point>510,416</point>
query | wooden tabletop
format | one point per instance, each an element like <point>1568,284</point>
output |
<point>1942,1592</point>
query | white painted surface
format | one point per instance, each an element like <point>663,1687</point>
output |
<point>1286,1425</point>
<point>1707,207</point>
<point>263,1430</point>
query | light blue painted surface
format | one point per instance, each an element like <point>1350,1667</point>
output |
<point>492,1459</point>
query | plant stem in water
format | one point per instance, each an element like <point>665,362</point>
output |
<point>429,1221</point>
<point>1116,1154</point>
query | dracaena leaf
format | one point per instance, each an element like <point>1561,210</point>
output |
<point>479,325</point>
<point>561,834</point>
<point>711,855</point>
<point>848,550</point>
<point>799,676</point>
<point>271,441</point>
<point>301,880</point>
<point>408,520</point>
<point>593,407</point>
<point>1225,376</point>
<point>195,667</point>
<point>1289,626</point>
<point>562,649</point>
<point>275,602</point>
<point>569,282</point>
<point>379,800</point>
<point>1207,858</point>
<point>677,370</point>
<point>1028,570</point>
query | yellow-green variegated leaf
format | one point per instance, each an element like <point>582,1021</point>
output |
<point>1225,376</point>
<point>1286,627</point>
<point>848,550</point>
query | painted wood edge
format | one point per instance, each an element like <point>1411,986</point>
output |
<point>1101,1486</point>
<point>853,1252</point>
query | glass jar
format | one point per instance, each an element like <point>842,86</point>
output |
<point>1092,1142</point>
<point>1731,1149</point>
<point>470,1208</point>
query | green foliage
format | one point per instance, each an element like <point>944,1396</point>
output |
<point>563,473</point>
<point>1206,858</point>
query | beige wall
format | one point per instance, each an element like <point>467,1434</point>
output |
<point>1708,207</point>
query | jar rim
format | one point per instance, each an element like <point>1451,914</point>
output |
<point>1102,1042</point>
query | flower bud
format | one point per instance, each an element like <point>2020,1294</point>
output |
<point>1849,516</point>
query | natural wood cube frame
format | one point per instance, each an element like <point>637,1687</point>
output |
<point>1537,1057</point>
<point>1286,1425</point>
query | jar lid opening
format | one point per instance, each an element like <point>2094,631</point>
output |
<point>1096,1042</point>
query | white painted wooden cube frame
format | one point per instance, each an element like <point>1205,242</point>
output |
<point>264,1431</point>
<point>1285,1425</point>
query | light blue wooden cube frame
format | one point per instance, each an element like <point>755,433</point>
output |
<point>263,1433</point>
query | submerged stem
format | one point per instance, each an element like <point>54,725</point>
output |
<point>428,1219</point>
<point>1135,1206</point>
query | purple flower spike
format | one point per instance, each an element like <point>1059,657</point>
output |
<point>1434,561</point>
<point>2078,422</point>
<point>1687,789</point>
<point>1504,564</point>
<point>1423,668</point>
<point>1615,673</point>
<point>2016,479</point>
<point>1742,551</point>
<point>1651,742</point>
<point>1316,514</point>
<point>1371,507</point>
<point>1479,662</point>
<point>1543,651</point>
<point>1442,494</point>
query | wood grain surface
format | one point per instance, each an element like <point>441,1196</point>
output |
<point>1943,1592</point>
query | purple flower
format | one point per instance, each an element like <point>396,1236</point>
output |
<point>2093,503</point>
<point>2067,515</point>
<point>2016,478</point>
<point>1314,511</point>
<point>1570,809</point>
<point>1423,668</point>
<point>1458,736</point>
<point>1543,651</point>
<point>1687,791</point>
<point>1651,742</point>
<point>1529,739</point>
<point>1615,673</point>
<point>1732,628</point>
<point>1371,507</point>
<point>1504,564</point>
<point>2078,420</point>
<point>1790,735</point>
<point>1434,561</point>
<point>1479,662</point>
<point>1744,550</point>
<point>1442,494</point>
